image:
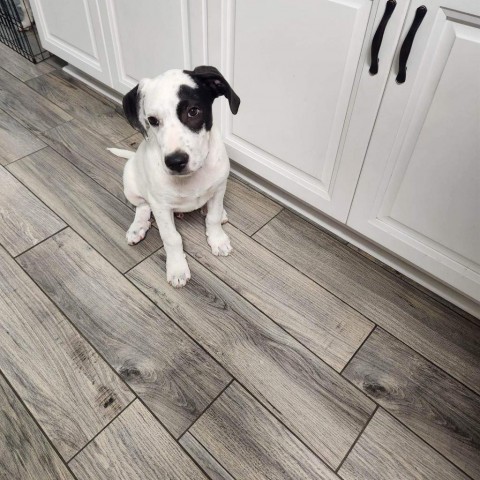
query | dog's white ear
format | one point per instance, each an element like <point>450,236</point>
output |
<point>216,83</point>
<point>133,108</point>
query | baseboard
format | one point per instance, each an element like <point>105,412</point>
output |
<point>314,216</point>
<point>93,83</point>
<point>349,236</point>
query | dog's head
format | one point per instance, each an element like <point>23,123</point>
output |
<point>175,109</point>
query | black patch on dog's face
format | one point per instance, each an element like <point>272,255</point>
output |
<point>191,99</point>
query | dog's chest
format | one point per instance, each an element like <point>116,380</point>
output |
<point>192,202</point>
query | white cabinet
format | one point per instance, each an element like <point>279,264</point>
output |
<point>72,30</point>
<point>145,38</point>
<point>419,191</point>
<point>293,63</point>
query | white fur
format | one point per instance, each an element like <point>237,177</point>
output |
<point>151,187</point>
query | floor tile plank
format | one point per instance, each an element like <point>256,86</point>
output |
<point>25,453</point>
<point>435,406</point>
<point>15,140</point>
<point>444,337</point>
<point>326,325</point>
<point>135,447</point>
<point>87,150</point>
<point>314,401</point>
<point>248,209</point>
<point>24,220</point>
<point>28,107</point>
<point>388,451</point>
<point>251,443</point>
<point>172,374</point>
<point>99,114</point>
<point>20,67</point>
<point>210,466</point>
<point>71,392</point>
<point>94,213</point>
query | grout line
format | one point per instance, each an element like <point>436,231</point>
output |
<point>28,154</point>
<point>210,453</point>
<point>104,428</point>
<point>424,441</point>
<point>373,323</point>
<point>146,258</point>
<point>429,362</point>
<point>266,223</point>
<point>42,241</point>
<point>111,367</point>
<point>257,308</point>
<point>206,408</point>
<point>236,378</point>
<point>356,440</point>
<point>47,438</point>
<point>358,349</point>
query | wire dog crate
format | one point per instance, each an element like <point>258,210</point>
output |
<point>17,30</point>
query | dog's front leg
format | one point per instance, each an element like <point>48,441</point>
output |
<point>216,237</point>
<point>178,272</point>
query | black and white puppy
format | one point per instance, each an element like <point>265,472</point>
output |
<point>182,164</point>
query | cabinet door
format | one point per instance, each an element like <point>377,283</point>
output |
<point>147,37</point>
<point>419,191</point>
<point>72,30</point>
<point>293,64</point>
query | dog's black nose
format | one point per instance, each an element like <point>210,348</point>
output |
<point>176,161</point>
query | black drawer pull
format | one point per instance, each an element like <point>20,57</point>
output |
<point>378,37</point>
<point>407,43</point>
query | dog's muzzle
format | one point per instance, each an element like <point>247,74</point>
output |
<point>176,161</point>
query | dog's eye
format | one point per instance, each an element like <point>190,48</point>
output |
<point>193,112</point>
<point>153,121</point>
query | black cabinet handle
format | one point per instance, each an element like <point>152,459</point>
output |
<point>407,43</point>
<point>378,37</point>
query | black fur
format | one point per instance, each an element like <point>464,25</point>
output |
<point>195,97</point>
<point>212,80</point>
<point>131,106</point>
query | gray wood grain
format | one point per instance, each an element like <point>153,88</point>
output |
<point>435,406</point>
<point>388,451</point>
<point>24,220</point>
<point>172,374</point>
<point>413,283</point>
<point>87,150</point>
<point>251,443</point>
<point>444,337</point>
<point>93,212</point>
<point>248,209</point>
<point>135,447</point>
<point>15,140</point>
<point>326,325</point>
<point>314,401</point>
<point>209,464</point>
<point>27,106</point>
<point>131,143</point>
<point>98,114</point>
<point>25,453</point>
<point>20,67</point>
<point>71,392</point>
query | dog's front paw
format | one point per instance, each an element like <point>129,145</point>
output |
<point>178,272</point>
<point>220,244</point>
<point>137,232</point>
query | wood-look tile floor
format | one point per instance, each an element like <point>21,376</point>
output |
<point>295,358</point>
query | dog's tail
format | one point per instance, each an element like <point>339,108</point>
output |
<point>121,153</point>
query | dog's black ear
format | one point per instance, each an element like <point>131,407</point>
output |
<point>131,107</point>
<point>214,81</point>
